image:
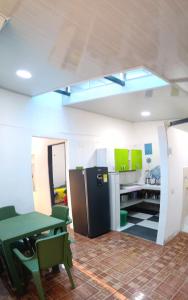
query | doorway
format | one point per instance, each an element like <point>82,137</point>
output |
<point>42,188</point>
<point>57,173</point>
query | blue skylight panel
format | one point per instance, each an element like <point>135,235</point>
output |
<point>137,73</point>
<point>127,82</point>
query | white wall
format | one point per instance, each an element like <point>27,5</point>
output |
<point>22,117</point>
<point>15,151</point>
<point>164,211</point>
<point>178,160</point>
<point>146,133</point>
<point>185,201</point>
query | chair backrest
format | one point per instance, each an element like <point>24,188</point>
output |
<point>52,251</point>
<point>60,212</point>
<point>7,212</point>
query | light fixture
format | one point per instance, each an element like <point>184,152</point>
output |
<point>145,113</point>
<point>23,74</point>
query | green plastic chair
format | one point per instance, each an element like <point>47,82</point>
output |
<point>7,212</point>
<point>61,212</point>
<point>50,251</point>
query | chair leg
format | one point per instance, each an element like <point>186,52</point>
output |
<point>69,257</point>
<point>70,275</point>
<point>38,283</point>
<point>1,265</point>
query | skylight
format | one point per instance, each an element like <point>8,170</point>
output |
<point>80,87</point>
<point>109,85</point>
<point>138,73</point>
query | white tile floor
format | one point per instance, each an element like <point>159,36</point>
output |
<point>144,222</point>
<point>140,215</point>
<point>128,225</point>
<point>148,224</point>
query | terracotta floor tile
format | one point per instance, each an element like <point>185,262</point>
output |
<point>140,295</point>
<point>71,296</point>
<point>85,291</point>
<point>180,296</point>
<point>165,290</point>
<point>117,296</point>
<point>118,266</point>
<point>156,296</point>
<point>123,267</point>
<point>184,288</point>
<point>151,285</point>
<point>174,281</point>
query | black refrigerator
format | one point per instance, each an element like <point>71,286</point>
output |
<point>90,201</point>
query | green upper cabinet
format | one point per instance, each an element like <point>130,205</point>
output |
<point>136,159</point>
<point>121,157</point>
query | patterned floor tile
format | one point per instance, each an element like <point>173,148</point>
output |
<point>149,224</point>
<point>154,218</point>
<point>140,215</point>
<point>117,266</point>
<point>133,220</point>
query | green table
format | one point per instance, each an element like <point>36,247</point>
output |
<point>19,227</point>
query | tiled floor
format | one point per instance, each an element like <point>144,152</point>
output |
<point>120,266</point>
<point>141,224</point>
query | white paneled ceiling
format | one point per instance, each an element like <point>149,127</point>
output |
<point>67,41</point>
<point>162,103</point>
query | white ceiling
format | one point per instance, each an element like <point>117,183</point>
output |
<point>68,41</point>
<point>162,105</point>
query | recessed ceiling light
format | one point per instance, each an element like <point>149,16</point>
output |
<point>145,113</point>
<point>23,74</point>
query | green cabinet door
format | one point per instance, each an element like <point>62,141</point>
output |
<point>136,159</point>
<point>121,157</point>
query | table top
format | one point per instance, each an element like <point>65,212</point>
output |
<point>26,225</point>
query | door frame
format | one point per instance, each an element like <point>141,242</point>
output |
<point>50,169</point>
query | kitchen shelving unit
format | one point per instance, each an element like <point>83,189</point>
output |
<point>116,194</point>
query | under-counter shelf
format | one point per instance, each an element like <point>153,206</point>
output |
<point>130,203</point>
<point>153,201</point>
<point>142,193</point>
<point>130,189</point>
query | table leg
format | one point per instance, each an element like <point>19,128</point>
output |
<point>16,282</point>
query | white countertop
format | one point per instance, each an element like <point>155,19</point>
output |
<point>139,187</point>
<point>153,187</point>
